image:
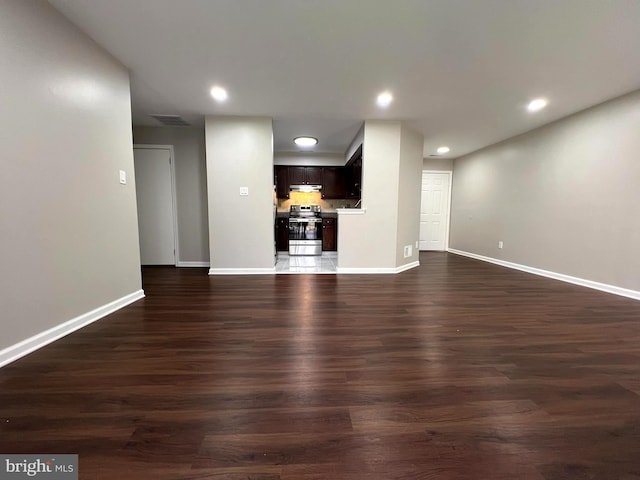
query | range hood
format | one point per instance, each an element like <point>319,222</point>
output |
<point>305,188</point>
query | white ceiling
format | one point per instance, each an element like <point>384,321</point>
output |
<point>461,71</point>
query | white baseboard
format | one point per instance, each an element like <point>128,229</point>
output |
<point>624,292</point>
<point>242,271</point>
<point>408,266</point>
<point>193,264</point>
<point>365,270</point>
<point>374,271</point>
<point>20,349</point>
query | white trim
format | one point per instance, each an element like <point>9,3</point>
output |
<point>31,344</point>
<point>351,211</point>
<point>379,270</point>
<point>193,264</point>
<point>366,270</point>
<point>310,272</point>
<point>623,292</point>
<point>407,266</point>
<point>174,194</point>
<point>446,237</point>
<point>242,271</point>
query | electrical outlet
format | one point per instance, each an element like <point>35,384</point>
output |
<point>500,244</point>
<point>244,191</point>
<point>407,251</point>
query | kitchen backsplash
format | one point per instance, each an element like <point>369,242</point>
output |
<point>313,198</point>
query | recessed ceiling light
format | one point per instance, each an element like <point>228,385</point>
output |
<point>443,150</point>
<point>537,104</point>
<point>305,141</point>
<point>384,99</point>
<point>219,94</point>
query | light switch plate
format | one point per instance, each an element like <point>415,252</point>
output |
<point>123,177</point>
<point>244,191</point>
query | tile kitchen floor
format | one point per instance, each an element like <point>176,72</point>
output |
<point>327,263</point>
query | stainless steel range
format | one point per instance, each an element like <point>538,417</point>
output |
<point>305,230</point>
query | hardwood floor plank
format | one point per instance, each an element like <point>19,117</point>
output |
<point>457,369</point>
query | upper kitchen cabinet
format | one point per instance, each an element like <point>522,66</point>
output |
<point>333,182</point>
<point>332,179</point>
<point>353,175</point>
<point>314,175</point>
<point>281,179</point>
<point>305,175</point>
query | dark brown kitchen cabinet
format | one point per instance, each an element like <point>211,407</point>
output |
<point>333,182</point>
<point>282,234</point>
<point>297,176</point>
<point>332,179</point>
<point>314,175</point>
<point>329,234</point>
<point>353,175</point>
<point>281,180</point>
<point>305,175</point>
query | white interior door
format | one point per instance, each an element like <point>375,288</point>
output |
<point>155,205</point>
<point>434,210</point>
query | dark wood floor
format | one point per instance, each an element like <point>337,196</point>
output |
<point>455,370</point>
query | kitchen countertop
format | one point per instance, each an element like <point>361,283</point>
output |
<point>325,214</point>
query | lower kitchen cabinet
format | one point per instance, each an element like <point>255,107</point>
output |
<point>329,234</point>
<point>282,234</point>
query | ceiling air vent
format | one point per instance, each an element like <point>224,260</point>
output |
<point>171,120</point>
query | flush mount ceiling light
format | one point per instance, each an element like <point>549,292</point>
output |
<point>384,99</point>
<point>537,104</point>
<point>219,94</point>
<point>442,150</point>
<point>305,141</point>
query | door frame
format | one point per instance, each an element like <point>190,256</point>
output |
<point>174,203</point>
<point>450,182</point>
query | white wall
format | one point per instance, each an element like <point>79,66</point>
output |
<point>438,164</point>
<point>563,198</point>
<point>68,229</point>
<point>380,177</point>
<point>241,228</point>
<point>308,159</point>
<point>409,192</point>
<point>191,185</point>
<point>391,166</point>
